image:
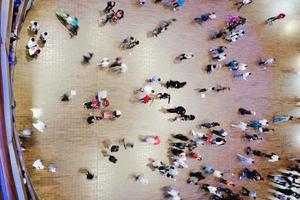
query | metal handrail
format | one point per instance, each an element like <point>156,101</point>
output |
<point>17,26</point>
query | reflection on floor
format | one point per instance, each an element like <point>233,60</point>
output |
<point>72,144</point>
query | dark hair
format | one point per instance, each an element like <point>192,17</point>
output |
<point>46,33</point>
<point>32,39</point>
<point>158,79</point>
<point>191,117</point>
<point>35,23</point>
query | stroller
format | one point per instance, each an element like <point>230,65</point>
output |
<point>71,23</point>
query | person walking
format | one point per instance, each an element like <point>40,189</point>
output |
<point>184,56</point>
<point>245,160</point>
<point>272,19</point>
<point>109,6</point>
<point>243,3</point>
<point>248,193</point>
<point>87,57</point>
<point>117,62</point>
<point>244,111</point>
<point>154,79</point>
<point>180,110</point>
<point>44,37</point>
<point>243,75</point>
<point>283,118</point>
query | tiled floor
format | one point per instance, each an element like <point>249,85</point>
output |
<point>70,143</point>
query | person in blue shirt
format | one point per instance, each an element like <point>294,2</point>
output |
<point>284,118</point>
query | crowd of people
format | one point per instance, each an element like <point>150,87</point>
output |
<point>183,147</point>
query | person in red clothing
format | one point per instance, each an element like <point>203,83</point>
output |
<point>195,156</point>
<point>145,99</point>
<point>272,19</point>
<point>93,104</point>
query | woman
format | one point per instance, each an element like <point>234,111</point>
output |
<point>118,15</point>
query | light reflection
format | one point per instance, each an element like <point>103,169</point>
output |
<point>291,27</point>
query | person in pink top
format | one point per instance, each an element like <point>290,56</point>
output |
<point>154,140</point>
<point>93,104</point>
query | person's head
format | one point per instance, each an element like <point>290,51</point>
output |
<point>173,20</point>
<point>137,42</point>
<point>32,39</point>
<point>131,38</point>
<point>76,19</point>
<point>158,79</point>
<point>35,23</point>
<point>152,91</point>
<point>45,33</point>
<point>291,118</point>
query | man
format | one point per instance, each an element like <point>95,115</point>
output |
<point>87,57</point>
<point>185,56</point>
<point>243,3</point>
<point>178,110</point>
<point>44,37</point>
<point>109,6</point>
<point>117,62</point>
<point>34,27</point>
